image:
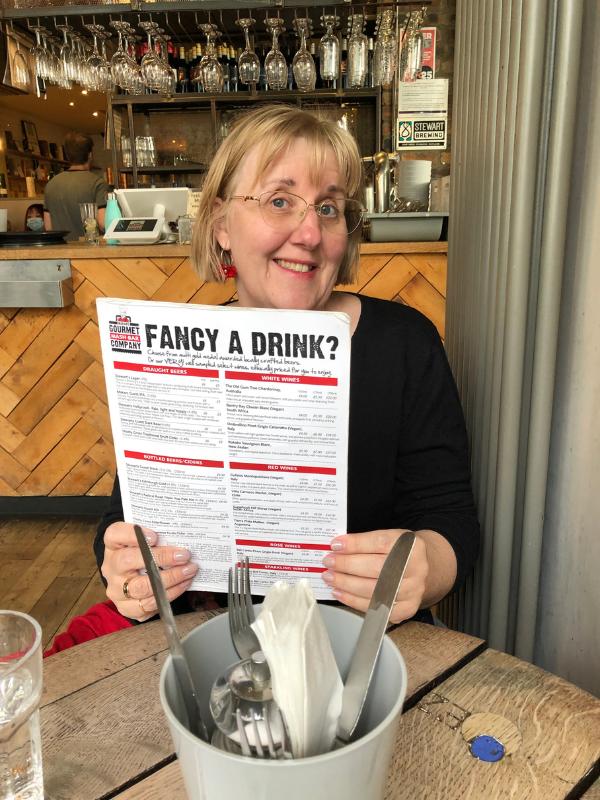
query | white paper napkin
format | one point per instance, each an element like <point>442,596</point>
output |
<point>306,681</point>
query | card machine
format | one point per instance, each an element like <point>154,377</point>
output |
<point>135,230</point>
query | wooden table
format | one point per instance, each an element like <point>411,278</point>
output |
<point>105,736</point>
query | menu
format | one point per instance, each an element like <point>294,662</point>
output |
<point>230,428</point>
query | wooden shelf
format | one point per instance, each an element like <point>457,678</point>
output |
<point>34,157</point>
<point>165,170</point>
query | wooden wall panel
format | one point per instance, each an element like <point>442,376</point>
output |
<point>55,436</point>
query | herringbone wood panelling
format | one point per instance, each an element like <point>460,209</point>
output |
<point>55,436</point>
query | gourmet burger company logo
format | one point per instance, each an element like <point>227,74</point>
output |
<point>124,335</point>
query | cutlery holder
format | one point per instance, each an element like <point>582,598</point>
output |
<point>354,772</point>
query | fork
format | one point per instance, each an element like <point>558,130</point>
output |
<point>241,611</point>
<point>274,750</point>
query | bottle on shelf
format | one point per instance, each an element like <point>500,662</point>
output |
<point>233,71</point>
<point>223,61</point>
<point>344,64</point>
<point>182,72</point>
<point>314,51</point>
<point>369,79</point>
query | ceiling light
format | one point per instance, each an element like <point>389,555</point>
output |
<point>95,113</point>
<point>84,91</point>
<point>71,103</point>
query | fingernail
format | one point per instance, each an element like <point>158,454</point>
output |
<point>181,555</point>
<point>338,544</point>
<point>337,594</point>
<point>329,561</point>
<point>190,569</point>
<point>327,577</point>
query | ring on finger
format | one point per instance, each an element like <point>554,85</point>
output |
<point>126,591</point>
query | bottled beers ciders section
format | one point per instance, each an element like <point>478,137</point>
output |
<point>280,51</point>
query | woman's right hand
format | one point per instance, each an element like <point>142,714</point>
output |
<point>123,560</point>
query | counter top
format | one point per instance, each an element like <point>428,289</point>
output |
<point>83,250</point>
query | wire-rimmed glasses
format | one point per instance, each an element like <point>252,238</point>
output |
<point>329,50</point>
<point>285,211</point>
<point>248,62</point>
<point>276,68</point>
<point>303,64</point>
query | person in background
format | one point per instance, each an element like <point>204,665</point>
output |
<point>34,218</point>
<point>78,184</point>
<point>280,211</point>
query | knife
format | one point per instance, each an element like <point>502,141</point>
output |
<point>180,664</point>
<point>371,636</point>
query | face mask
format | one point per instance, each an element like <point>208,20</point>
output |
<point>35,224</point>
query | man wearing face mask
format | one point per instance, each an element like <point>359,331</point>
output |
<point>34,218</point>
<point>77,184</point>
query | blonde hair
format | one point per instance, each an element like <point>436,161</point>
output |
<point>273,128</point>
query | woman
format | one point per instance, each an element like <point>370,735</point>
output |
<point>34,218</point>
<point>280,211</point>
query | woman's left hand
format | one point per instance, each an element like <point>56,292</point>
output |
<point>356,561</point>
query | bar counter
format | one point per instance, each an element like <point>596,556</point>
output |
<point>56,452</point>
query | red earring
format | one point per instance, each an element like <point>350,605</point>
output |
<point>228,270</point>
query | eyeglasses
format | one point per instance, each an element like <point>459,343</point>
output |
<point>285,211</point>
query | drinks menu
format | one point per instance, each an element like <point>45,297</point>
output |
<point>230,428</point>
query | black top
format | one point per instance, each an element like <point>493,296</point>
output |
<point>408,463</point>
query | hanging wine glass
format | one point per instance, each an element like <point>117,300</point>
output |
<point>151,62</point>
<point>119,63</point>
<point>53,67</point>
<point>210,68</point>
<point>133,76</point>
<point>21,77</point>
<point>386,49</point>
<point>329,50</point>
<point>248,62</point>
<point>303,65</point>
<point>358,45</point>
<point>97,73</point>
<point>38,54</point>
<point>411,54</point>
<point>64,55</point>
<point>168,80</point>
<point>276,68</point>
<point>104,78</point>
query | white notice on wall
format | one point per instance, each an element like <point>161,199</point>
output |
<point>422,122</point>
<point>231,432</point>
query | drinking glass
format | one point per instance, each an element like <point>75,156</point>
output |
<point>20,68</point>
<point>64,56</point>
<point>248,63</point>
<point>20,693</point>
<point>303,65</point>
<point>329,50</point>
<point>38,54</point>
<point>210,68</point>
<point>276,67</point>
<point>357,52</point>
<point>412,48</point>
<point>88,213</point>
<point>168,80</point>
<point>386,49</point>
<point>152,71</point>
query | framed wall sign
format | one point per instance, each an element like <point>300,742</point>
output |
<point>31,137</point>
